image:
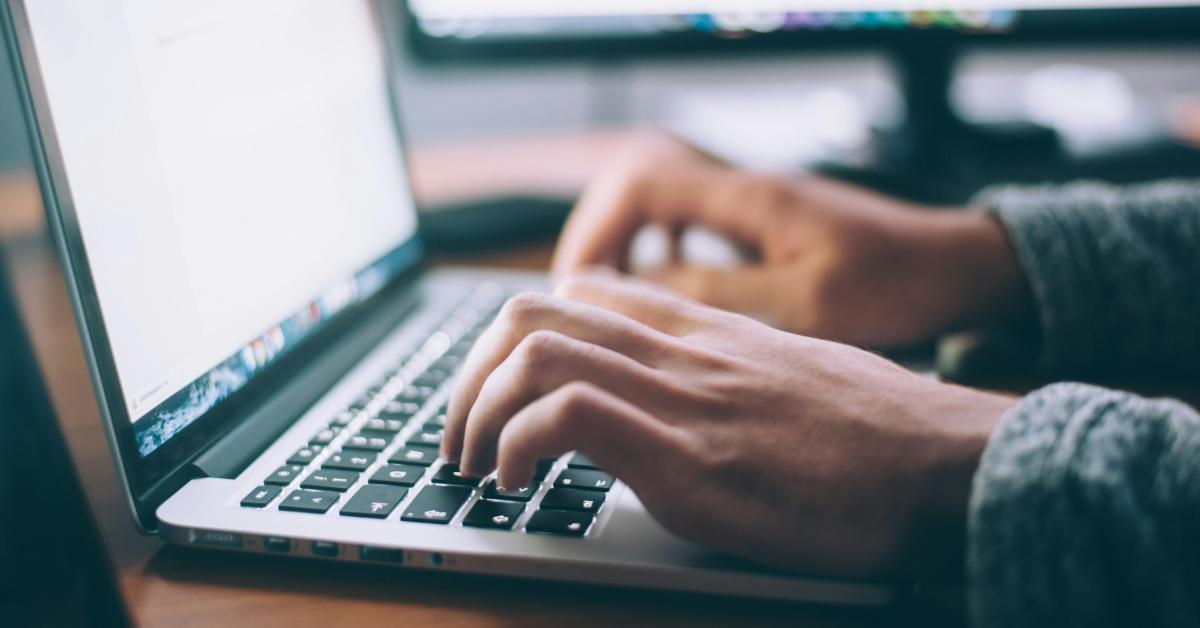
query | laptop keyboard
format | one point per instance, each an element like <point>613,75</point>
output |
<point>379,456</point>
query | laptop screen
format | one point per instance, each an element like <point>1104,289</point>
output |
<point>236,178</point>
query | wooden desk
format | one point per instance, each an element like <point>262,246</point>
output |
<point>179,587</point>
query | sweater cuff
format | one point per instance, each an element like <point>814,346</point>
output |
<point>1082,512</point>
<point>1043,224</point>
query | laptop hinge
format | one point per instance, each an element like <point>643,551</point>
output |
<point>230,454</point>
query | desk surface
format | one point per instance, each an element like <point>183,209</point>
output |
<point>179,587</point>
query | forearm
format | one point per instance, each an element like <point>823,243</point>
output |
<point>1113,271</point>
<point>1083,513</point>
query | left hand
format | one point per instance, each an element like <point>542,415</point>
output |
<point>826,258</point>
<point>788,450</point>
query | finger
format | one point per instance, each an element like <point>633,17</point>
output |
<point>620,437</point>
<point>544,361</point>
<point>746,289</point>
<point>640,300</point>
<point>524,314</point>
<point>614,207</point>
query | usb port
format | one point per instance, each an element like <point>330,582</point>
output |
<point>216,539</point>
<point>324,548</point>
<point>381,554</point>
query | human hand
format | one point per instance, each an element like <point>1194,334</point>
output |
<point>829,259</point>
<point>788,450</point>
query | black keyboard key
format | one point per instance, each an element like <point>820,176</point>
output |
<point>451,360</point>
<point>449,474</point>
<point>543,468</point>
<point>437,420</point>
<point>432,378</point>
<point>324,437</point>
<point>375,501</point>
<point>402,410</point>
<point>415,394</point>
<point>283,475</point>
<point>436,504</point>
<point>423,456</point>
<point>260,497</point>
<point>431,436</point>
<point>495,515</point>
<point>585,479</point>
<point>330,480</point>
<point>494,491</point>
<point>398,475</point>
<point>305,455</point>
<point>309,501</point>
<point>350,460</point>
<point>390,426</point>
<point>573,499</point>
<point>580,461</point>
<point>370,433</point>
<point>368,443</point>
<point>559,522</point>
<point>343,419</point>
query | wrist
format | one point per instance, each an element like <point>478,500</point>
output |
<point>979,269</point>
<point>963,421</point>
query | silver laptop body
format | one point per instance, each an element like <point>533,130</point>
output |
<point>270,444</point>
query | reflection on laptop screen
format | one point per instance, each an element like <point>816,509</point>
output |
<point>236,177</point>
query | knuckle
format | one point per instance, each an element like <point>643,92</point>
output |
<point>766,192</point>
<point>522,307</point>
<point>574,401</point>
<point>539,349</point>
<point>576,285</point>
<point>623,175</point>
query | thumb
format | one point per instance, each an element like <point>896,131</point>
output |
<point>750,290</point>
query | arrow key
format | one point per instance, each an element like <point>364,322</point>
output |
<point>559,522</point>
<point>309,501</point>
<point>260,496</point>
<point>376,501</point>
<point>496,515</point>
<point>436,504</point>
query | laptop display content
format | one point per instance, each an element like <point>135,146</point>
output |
<point>265,216</point>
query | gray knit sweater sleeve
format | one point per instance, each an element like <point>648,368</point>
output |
<point>1114,270</point>
<point>1085,511</point>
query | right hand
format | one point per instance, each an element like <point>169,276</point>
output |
<point>829,259</point>
<point>801,453</point>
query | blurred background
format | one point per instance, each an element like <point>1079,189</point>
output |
<point>561,110</point>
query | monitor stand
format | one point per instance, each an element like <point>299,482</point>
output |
<point>936,156</point>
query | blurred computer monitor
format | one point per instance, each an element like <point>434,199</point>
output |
<point>487,29</point>
<point>921,37</point>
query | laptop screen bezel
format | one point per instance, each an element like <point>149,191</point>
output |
<point>141,475</point>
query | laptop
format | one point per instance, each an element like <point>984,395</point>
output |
<point>226,184</point>
<point>54,567</point>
